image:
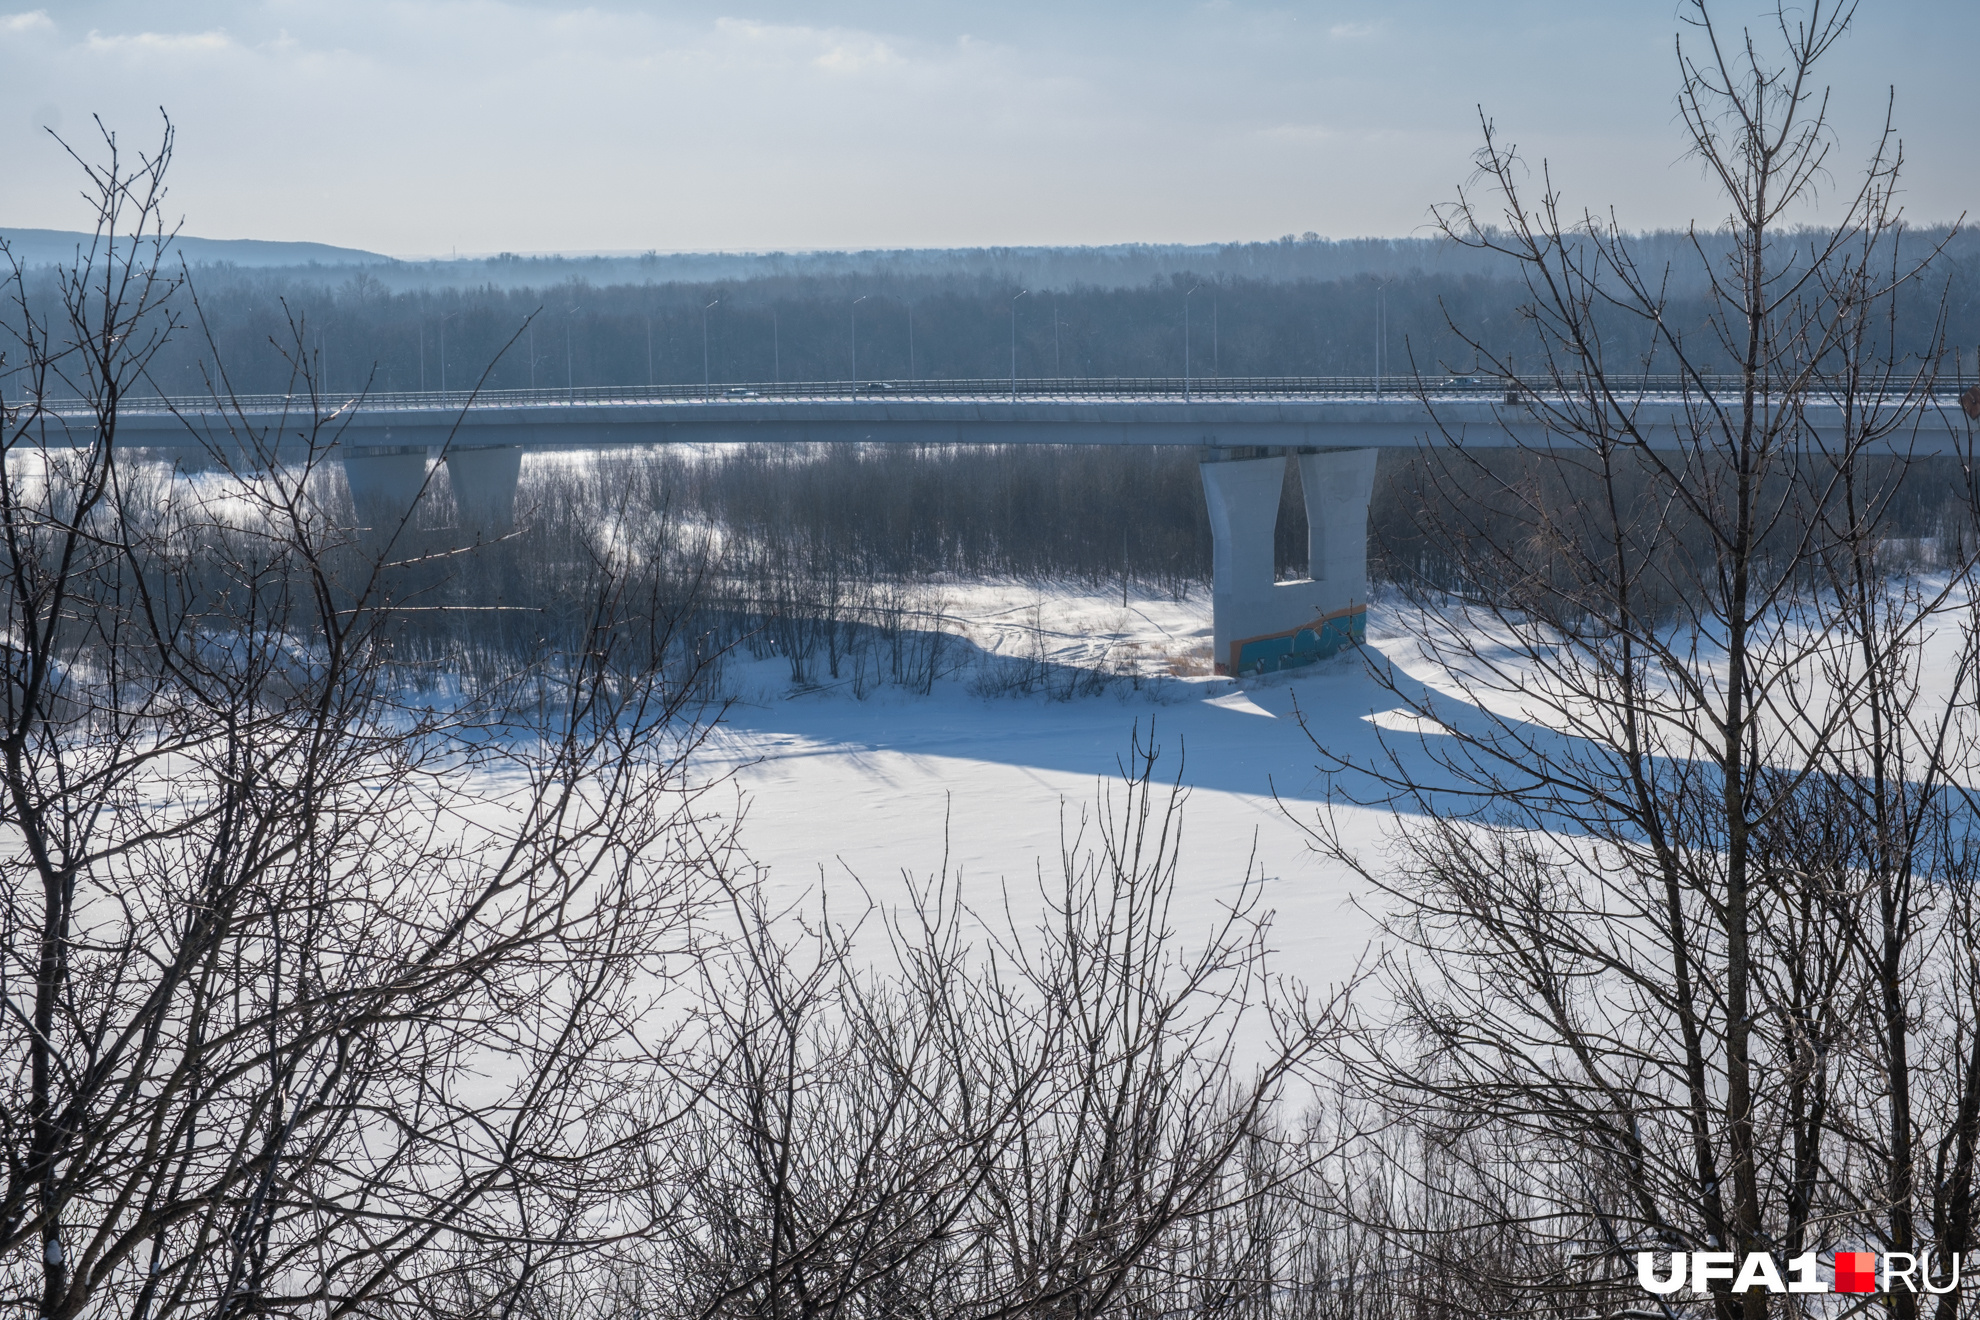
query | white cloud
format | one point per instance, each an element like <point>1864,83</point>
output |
<point>35,20</point>
<point>857,57</point>
<point>160,43</point>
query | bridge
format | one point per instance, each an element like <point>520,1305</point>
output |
<point>1244,429</point>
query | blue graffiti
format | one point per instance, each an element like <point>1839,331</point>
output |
<point>1316,641</point>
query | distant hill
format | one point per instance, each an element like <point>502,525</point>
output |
<point>1109,266</point>
<point>1305,258</point>
<point>47,247</point>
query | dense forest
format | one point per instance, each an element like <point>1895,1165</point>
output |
<point>1292,308</point>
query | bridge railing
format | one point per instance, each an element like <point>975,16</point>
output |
<point>1070,389</point>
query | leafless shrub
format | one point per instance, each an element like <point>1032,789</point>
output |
<point>1681,940</point>
<point>1074,1118</point>
<point>315,994</point>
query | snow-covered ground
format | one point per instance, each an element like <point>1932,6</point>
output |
<point>855,796</point>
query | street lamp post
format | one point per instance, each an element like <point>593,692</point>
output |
<point>1014,302</point>
<point>570,359</point>
<point>1193,288</point>
<point>855,334</point>
<point>704,342</point>
<point>443,350</point>
<point>1381,330</point>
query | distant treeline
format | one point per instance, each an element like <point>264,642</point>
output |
<point>1290,309</point>
<point>1292,258</point>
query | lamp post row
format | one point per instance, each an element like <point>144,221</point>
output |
<point>776,347</point>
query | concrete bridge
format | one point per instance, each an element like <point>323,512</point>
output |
<point>1243,429</point>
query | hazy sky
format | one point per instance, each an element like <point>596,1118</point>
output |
<point>425,126</point>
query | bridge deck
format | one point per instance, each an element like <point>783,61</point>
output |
<point>1302,412</point>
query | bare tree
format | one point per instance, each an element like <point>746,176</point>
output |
<point>316,995</point>
<point>1684,834</point>
<point>990,1119</point>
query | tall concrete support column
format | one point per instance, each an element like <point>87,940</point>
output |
<point>1257,624</point>
<point>1244,514</point>
<point>1338,484</point>
<point>484,482</point>
<point>386,481</point>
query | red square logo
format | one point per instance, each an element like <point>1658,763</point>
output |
<point>1856,1271</point>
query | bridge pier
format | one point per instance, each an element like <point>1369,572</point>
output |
<point>484,482</point>
<point>385,481</point>
<point>1259,625</point>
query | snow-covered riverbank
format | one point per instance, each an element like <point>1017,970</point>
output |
<point>851,794</point>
